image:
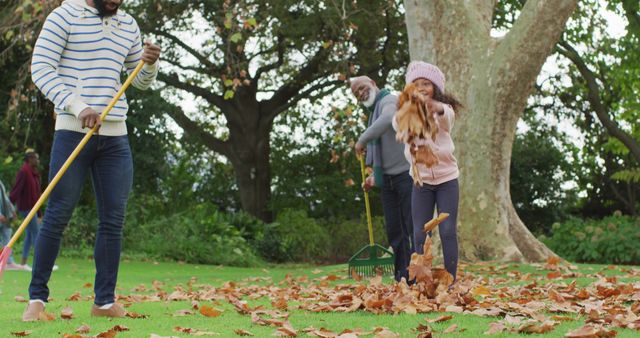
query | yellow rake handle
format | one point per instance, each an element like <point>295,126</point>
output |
<point>366,202</point>
<point>72,157</point>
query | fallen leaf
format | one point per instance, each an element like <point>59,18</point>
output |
<point>66,313</point>
<point>241,332</point>
<point>120,328</point>
<point>20,299</point>
<point>590,331</point>
<point>440,319</point>
<point>74,297</point>
<point>194,332</point>
<point>84,328</point>
<point>495,327</point>
<point>182,313</point>
<point>451,328</point>
<point>21,333</point>
<point>209,311</point>
<point>136,315</point>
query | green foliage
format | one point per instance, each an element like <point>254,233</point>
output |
<point>541,163</point>
<point>293,237</point>
<point>198,234</point>
<point>349,235</point>
<point>613,239</point>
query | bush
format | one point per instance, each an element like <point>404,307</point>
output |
<point>349,235</point>
<point>293,237</point>
<point>195,235</point>
<point>611,240</point>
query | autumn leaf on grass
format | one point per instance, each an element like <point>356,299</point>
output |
<point>451,329</point>
<point>286,330</point>
<point>119,328</point>
<point>87,285</point>
<point>536,327</point>
<point>194,332</point>
<point>107,334</point>
<point>84,328</point>
<point>322,332</point>
<point>20,299</point>
<point>21,333</point>
<point>136,315</point>
<point>480,290</point>
<point>280,304</point>
<point>383,332</point>
<point>68,335</point>
<point>74,297</point>
<point>440,319</point>
<point>182,313</point>
<point>424,331</point>
<point>66,313</point>
<point>209,311</point>
<point>495,327</point>
<point>153,335</point>
<point>591,331</point>
<point>245,333</point>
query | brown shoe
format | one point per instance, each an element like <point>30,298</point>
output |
<point>115,311</point>
<point>33,312</point>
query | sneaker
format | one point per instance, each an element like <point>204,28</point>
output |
<point>26,267</point>
<point>13,266</point>
<point>33,312</point>
<point>115,311</point>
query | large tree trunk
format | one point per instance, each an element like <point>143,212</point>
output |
<point>493,77</point>
<point>253,174</point>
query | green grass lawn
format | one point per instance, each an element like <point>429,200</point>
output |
<point>75,274</point>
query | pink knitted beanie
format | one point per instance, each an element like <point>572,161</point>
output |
<point>421,69</point>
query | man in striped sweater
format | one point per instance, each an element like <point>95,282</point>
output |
<point>78,60</point>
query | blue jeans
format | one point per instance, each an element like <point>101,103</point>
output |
<point>5,237</point>
<point>423,204</point>
<point>30,234</point>
<point>108,160</point>
<point>396,204</point>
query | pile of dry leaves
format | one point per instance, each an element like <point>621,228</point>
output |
<point>534,306</point>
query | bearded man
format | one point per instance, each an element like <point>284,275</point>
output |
<point>390,168</point>
<point>77,63</point>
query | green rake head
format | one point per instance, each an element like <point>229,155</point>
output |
<point>370,261</point>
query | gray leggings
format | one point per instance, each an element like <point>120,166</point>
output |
<point>423,202</point>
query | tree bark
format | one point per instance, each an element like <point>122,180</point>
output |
<point>493,77</point>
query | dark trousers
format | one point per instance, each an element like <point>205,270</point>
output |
<point>108,160</point>
<point>396,204</point>
<point>445,196</point>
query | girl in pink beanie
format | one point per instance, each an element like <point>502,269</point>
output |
<point>429,148</point>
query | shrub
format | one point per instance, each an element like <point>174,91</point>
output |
<point>293,237</point>
<point>613,239</point>
<point>349,235</point>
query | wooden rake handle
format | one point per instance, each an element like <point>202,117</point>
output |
<point>73,156</point>
<point>366,202</point>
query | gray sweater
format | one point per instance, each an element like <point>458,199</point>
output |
<point>393,160</point>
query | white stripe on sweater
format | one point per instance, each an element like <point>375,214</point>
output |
<point>78,61</point>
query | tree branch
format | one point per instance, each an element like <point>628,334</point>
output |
<point>275,104</point>
<point>602,111</point>
<point>275,65</point>
<point>174,81</point>
<point>201,58</point>
<point>195,130</point>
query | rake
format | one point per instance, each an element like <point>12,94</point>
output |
<point>372,259</point>
<point>6,251</point>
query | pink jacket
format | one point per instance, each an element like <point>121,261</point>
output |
<point>447,167</point>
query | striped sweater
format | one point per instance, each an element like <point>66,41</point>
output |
<point>78,61</point>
